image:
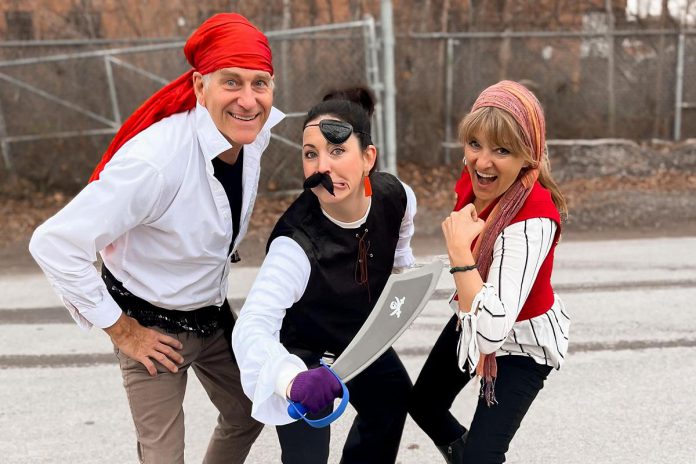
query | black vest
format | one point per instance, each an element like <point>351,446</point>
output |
<point>334,305</point>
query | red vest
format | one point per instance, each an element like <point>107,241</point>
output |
<point>538,205</point>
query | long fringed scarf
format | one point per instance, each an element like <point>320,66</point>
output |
<point>524,107</point>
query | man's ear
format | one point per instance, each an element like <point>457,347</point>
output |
<point>198,86</point>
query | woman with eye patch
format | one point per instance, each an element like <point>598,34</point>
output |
<point>509,326</point>
<point>328,259</point>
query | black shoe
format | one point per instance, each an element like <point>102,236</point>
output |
<point>454,452</point>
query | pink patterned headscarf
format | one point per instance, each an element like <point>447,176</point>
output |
<point>523,106</point>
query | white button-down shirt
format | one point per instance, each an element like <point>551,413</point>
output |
<point>158,216</point>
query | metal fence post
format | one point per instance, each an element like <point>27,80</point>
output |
<point>610,68</point>
<point>284,58</point>
<point>389,85</point>
<point>373,80</point>
<point>4,144</point>
<point>679,90</point>
<point>449,78</point>
<point>112,90</point>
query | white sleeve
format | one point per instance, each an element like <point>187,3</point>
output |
<point>265,365</point>
<point>66,245</point>
<point>403,256</point>
<point>518,253</point>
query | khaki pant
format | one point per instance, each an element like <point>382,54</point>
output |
<point>156,403</point>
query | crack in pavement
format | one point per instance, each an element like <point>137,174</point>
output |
<point>58,314</point>
<point>593,287</point>
<point>584,347</point>
<point>93,359</point>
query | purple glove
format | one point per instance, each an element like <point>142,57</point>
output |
<point>315,389</point>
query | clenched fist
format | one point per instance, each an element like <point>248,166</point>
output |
<point>460,228</point>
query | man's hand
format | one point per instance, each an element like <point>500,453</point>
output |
<point>145,345</point>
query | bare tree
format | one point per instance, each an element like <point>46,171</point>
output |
<point>125,10</point>
<point>357,9</point>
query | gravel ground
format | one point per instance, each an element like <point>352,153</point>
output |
<point>595,214</point>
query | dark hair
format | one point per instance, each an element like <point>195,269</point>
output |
<point>353,105</point>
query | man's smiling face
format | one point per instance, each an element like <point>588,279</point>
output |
<point>239,101</point>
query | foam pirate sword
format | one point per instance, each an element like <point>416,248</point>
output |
<point>403,298</point>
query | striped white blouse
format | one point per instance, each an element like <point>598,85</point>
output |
<point>519,252</point>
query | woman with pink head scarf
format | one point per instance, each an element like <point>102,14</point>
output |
<point>509,326</point>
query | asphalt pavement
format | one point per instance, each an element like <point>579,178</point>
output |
<point>625,394</point>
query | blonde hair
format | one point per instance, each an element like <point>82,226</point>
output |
<point>500,128</point>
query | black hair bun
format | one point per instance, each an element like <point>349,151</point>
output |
<point>360,95</point>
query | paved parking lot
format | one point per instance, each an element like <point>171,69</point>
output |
<point>624,395</point>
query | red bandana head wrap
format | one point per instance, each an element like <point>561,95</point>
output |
<point>524,107</point>
<point>226,40</point>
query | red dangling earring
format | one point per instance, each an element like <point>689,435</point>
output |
<point>368,186</point>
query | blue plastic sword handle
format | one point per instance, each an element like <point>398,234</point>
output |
<point>297,411</point>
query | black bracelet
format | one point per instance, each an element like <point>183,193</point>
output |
<point>462,268</point>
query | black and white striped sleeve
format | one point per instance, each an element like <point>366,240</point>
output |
<point>518,254</point>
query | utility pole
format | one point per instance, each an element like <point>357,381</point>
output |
<point>387,20</point>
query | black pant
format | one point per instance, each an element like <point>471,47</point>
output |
<point>380,395</point>
<point>518,382</point>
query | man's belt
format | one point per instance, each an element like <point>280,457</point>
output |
<point>203,321</point>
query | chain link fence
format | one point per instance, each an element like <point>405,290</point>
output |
<point>61,102</point>
<point>627,84</point>
<point>309,63</point>
<point>59,106</point>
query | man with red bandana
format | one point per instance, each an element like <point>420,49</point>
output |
<point>166,208</point>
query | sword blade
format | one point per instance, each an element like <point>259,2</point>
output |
<point>403,298</point>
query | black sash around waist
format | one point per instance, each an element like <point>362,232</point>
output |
<point>203,321</point>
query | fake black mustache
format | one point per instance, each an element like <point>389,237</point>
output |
<point>319,178</point>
